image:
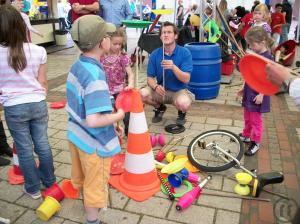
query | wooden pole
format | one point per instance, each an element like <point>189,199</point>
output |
<point>231,34</point>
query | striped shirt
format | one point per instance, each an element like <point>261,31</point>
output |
<point>22,87</point>
<point>88,93</point>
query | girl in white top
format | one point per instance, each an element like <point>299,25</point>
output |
<point>23,87</point>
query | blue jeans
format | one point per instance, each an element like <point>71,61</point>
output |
<point>284,33</point>
<point>28,125</point>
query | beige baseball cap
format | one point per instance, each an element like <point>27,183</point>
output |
<point>88,30</point>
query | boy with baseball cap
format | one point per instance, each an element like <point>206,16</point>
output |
<point>91,133</point>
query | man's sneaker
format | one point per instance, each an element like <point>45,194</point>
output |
<point>4,162</point>
<point>158,113</point>
<point>35,196</point>
<point>244,139</point>
<point>181,118</point>
<point>253,148</point>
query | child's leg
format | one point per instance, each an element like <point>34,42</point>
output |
<point>77,175</point>
<point>95,190</point>
<point>247,124</point>
<point>17,119</point>
<point>38,129</point>
<point>257,126</point>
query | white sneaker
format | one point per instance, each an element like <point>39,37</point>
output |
<point>253,148</point>
<point>244,139</point>
<point>35,196</point>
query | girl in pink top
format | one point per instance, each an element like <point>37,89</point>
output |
<point>117,68</point>
<point>23,88</point>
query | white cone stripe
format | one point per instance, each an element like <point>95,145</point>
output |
<point>16,159</point>
<point>139,163</point>
<point>137,123</point>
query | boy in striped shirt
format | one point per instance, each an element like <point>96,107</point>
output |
<point>91,133</point>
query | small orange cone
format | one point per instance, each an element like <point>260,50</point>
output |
<point>14,173</point>
<point>139,181</point>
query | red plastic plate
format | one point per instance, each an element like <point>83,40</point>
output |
<point>123,100</point>
<point>117,164</point>
<point>253,69</point>
<point>58,105</point>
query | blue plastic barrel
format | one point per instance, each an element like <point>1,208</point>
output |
<point>206,76</point>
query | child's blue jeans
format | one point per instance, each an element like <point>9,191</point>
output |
<point>28,125</point>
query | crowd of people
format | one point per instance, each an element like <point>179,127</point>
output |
<point>103,71</point>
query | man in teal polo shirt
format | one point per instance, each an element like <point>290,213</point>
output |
<point>178,66</point>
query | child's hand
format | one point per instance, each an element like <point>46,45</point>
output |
<point>258,99</point>
<point>120,130</point>
<point>121,113</point>
<point>130,86</point>
<point>240,93</point>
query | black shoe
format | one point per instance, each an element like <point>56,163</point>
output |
<point>181,118</point>
<point>4,162</point>
<point>253,148</point>
<point>6,151</point>
<point>158,113</point>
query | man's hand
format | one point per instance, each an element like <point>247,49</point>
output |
<point>167,64</point>
<point>160,90</point>
<point>277,73</point>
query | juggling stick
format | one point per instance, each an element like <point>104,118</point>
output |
<point>166,187</point>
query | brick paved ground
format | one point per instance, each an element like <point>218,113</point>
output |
<point>279,152</point>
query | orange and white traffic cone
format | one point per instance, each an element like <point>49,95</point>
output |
<point>139,181</point>
<point>14,173</point>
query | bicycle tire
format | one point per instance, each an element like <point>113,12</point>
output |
<point>205,168</point>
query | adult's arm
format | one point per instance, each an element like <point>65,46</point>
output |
<point>277,74</point>
<point>85,9</point>
<point>128,11</point>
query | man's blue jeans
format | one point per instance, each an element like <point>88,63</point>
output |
<point>28,125</point>
<point>285,32</point>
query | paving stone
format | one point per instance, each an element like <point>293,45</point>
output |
<point>118,200</point>
<point>28,202</point>
<point>233,204</point>
<point>226,217</point>
<point>204,215</point>
<point>51,131</point>
<point>3,172</point>
<point>72,210</point>
<point>10,211</point>
<point>157,207</point>
<point>152,220</point>
<point>203,127</point>
<point>60,135</point>
<point>62,126</point>
<point>70,222</point>
<point>63,157</point>
<point>219,121</point>
<point>64,171</point>
<point>114,216</point>
<point>215,183</point>
<point>228,185</point>
<point>31,217</point>
<point>10,192</point>
<point>62,144</point>
<point>62,117</point>
<point>238,123</point>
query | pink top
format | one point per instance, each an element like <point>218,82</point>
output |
<point>114,66</point>
<point>23,87</point>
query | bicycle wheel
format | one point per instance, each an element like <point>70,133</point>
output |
<point>205,154</point>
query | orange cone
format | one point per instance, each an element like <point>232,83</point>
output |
<point>14,173</point>
<point>139,181</point>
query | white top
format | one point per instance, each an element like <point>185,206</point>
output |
<point>295,91</point>
<point>61,11</point>
<point>23,87</point>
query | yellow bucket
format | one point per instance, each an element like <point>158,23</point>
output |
<point>48,208</point>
